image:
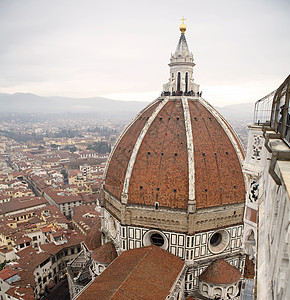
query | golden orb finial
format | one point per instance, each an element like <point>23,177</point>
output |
<point>182,27</point>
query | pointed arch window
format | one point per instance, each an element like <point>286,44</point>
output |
<point>186,82</point>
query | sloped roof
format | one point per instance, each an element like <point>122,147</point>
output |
<point>7,273</point>
<point>144,273</point>
<point>220,272</point>
<point>105,254</point>
<point>93,238</point>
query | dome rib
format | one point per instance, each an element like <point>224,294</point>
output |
<point>124,132</point>
<point>190,149</point>
<point>118,161</point>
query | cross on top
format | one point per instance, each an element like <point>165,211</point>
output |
<point>183,20</point>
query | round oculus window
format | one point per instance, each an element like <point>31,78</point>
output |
<point>157,239</point>
<point>215,239</point>
<point>218,241</point>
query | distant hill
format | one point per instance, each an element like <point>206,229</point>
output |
<point>102,107</point>
<point>239,112</point>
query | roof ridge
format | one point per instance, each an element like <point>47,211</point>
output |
<point>132,271</point>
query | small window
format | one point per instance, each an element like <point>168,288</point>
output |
<point>216,239</point>
<point>157,239</point>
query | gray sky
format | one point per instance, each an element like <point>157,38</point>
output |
<point>121,49</point>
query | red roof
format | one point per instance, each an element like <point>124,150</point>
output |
<point>144,273</point>
<point>7,273</point>
<point>22,293</point>
<point>220,272</point>
<point>105,254</point>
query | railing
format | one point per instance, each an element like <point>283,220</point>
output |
<point>181,93</point>
<point>280,117</point>
<point>273,110</point>
<point>263,107</point>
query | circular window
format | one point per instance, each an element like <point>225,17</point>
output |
<point>157,239</point>
<point>218,241</point>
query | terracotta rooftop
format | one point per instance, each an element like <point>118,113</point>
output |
<point>143,273</point>
<point>105,254</point>
<point>7,273</point>
<point>53,249</point>
<point>30,259</point>
<point>220,272</point>
<point>21,203</point>
<point>163,153</point>
<point>21,293</point>
<point>93,238</point>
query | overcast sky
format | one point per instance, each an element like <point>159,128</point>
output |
<point>121,49</point>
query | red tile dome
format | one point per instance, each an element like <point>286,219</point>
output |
<point>177,150</point>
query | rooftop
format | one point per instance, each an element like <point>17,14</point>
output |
<point>143,273</point>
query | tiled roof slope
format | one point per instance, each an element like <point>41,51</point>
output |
<point>105,254</point>
<point>220,272</point>
<point>122,153</point>
<point>218,174</point>
<point>143,273</point>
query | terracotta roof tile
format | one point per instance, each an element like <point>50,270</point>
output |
<point>142,273</point>
<point>105,254</point>
<point>21,293</point>
<point>122,153</point>
<point>7,273</point>
<point>220,272</point>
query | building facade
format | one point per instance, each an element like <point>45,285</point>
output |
<point>267,212</point>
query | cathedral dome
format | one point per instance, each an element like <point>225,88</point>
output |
<point>177,151</point>
<point>177,166</point>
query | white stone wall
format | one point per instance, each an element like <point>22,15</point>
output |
<point>253,169</point>
<point>274,229</point>
<point>268,194</point>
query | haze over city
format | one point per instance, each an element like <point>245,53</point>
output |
<point>120,49</point>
